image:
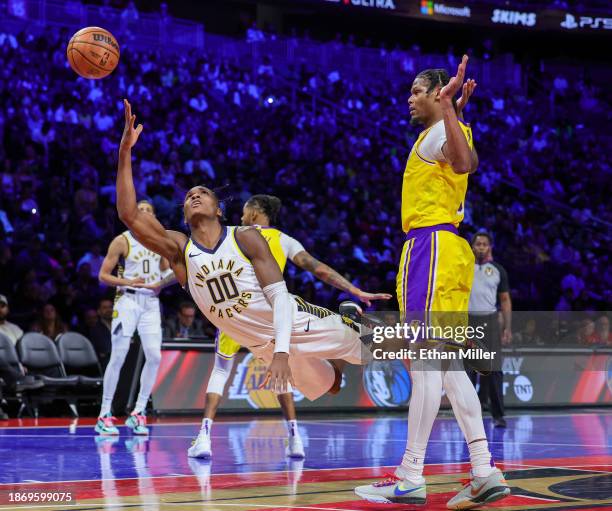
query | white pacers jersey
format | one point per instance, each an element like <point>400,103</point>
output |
<point>140,262</point>
<point>222,282</point>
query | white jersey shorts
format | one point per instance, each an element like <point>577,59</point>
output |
<point>136,311</point>
<point>314,341</point>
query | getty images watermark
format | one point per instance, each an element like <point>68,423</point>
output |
<point>418,341</point>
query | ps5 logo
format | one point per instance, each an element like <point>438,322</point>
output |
<point>571,23</point>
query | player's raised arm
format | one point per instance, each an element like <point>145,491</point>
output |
<point>146,228</point>
<point>330,276</point>
<point>273,285</point>
<point>456,148</point>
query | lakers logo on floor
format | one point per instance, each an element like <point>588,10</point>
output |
<point>249,376</point>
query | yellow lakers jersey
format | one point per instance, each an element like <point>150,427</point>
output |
<point>273,236</point>
<point>432,193</point>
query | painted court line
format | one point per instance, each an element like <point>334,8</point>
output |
<point>324,439</point>
<point>274,419</point>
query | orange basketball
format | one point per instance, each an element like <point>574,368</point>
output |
<point>93,52</point>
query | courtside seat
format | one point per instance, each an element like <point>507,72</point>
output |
<point>19,392</point>
<point>80,359</point>
<point>40,356</point>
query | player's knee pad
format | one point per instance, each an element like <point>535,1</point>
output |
<point>219,375</point>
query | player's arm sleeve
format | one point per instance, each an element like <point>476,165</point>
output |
<point>220,374</point>
<point>271,281</point>
<point>291,247</point>
<point>504,285</point>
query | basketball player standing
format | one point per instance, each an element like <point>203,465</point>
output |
<point>435,274</point>
<point>141,275</point>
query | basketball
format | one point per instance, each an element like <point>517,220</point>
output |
<point>93,52</point>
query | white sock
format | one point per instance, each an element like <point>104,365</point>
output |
<point>466,405</point>
<point>206,425</point>
<point>424,406</point>
<point>292,428</point>
<point>481,459</point>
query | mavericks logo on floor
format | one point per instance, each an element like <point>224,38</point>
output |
<point>387,383</point>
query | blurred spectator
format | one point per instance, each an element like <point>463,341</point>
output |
<point>94,258</point>
<point>97,329</point>
<point>528,336</point>
<point>586,333</point>
<point>602,331</point>
<point>49,323</point>
<point>184,324</point>
<point>11,330</point>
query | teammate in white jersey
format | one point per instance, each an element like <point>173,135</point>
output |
<point>141,275</point>
<point>262,211</point>
<point>238,286</point>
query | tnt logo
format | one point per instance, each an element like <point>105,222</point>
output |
<point>523,388</point>
<point>427,7</point>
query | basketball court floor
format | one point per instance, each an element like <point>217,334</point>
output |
<point>559,461</point>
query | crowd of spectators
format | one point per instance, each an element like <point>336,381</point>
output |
<point>541,182</point>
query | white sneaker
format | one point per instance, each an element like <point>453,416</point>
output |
<point>393,490</point>
<point>480,491</point>
<point>295,448</point>
<point>200,447</point>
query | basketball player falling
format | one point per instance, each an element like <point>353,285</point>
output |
<point>435,274</point>
<point>142,274</point>
<point>237,284</point>
<point>261,211</point>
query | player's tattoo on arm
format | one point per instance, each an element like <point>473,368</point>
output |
<point>323,272</point>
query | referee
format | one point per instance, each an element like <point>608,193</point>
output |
<point>490,284</point>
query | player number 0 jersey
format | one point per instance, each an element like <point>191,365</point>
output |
<point>140,262</point>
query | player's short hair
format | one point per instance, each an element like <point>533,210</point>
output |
<point>435,78</point>
<point>485,234</point>
<point>145,201</point>
<point>269,205</point>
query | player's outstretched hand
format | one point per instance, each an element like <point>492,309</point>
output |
<point>138,282</point>
<point>448,92</point>
<point>466,94</point>
<point>130,134</point>
<point>279,374</point>
<point>367,298</point>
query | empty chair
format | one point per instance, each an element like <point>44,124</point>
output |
<point>79,358</point>
<point>17,386</point>
<point>39,355</point>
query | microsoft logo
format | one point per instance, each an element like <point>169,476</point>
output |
<point>427,7</point>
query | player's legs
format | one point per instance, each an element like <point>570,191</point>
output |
<point>149,330</point>
<point>435,275</point>
<point>126,314</point>
<point>295,448</point>
<point>225,352</point>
